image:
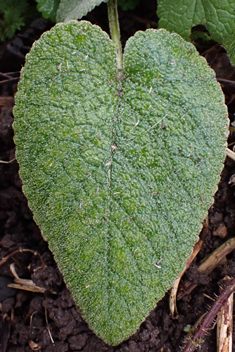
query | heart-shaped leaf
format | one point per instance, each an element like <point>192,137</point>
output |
<point>119,175</point>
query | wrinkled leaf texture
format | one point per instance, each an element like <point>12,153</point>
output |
<point>217,15</point>
<point>119,175</point>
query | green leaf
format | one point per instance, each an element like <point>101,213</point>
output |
<point>218,16</point>
<point>48,8</point>
<point>75,9</point>
<point>229,44</point>
<point>119,175</point>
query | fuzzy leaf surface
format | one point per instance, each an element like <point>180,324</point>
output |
<point>217,15</point>
<point>75,9</point>
<point>115,173</point>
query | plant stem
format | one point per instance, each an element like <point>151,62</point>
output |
<point>115,35</point>
<point>197,339</point>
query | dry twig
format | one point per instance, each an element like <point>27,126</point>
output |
<point>230,153</point>
<point>24,284</point>
<point>215,258</point>
<point>197,339</point>
<point>225,324</point>
<point>21,250</point>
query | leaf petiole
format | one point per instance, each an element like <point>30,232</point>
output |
<point>115,35</point>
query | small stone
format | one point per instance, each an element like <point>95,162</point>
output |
<point>221,231</point>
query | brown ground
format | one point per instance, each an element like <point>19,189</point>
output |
<point>51,322</point>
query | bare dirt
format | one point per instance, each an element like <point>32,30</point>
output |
<point>50,321</point>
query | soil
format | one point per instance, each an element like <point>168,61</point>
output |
<point>50,321</point>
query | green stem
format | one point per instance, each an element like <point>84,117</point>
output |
<point>115,35</point>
